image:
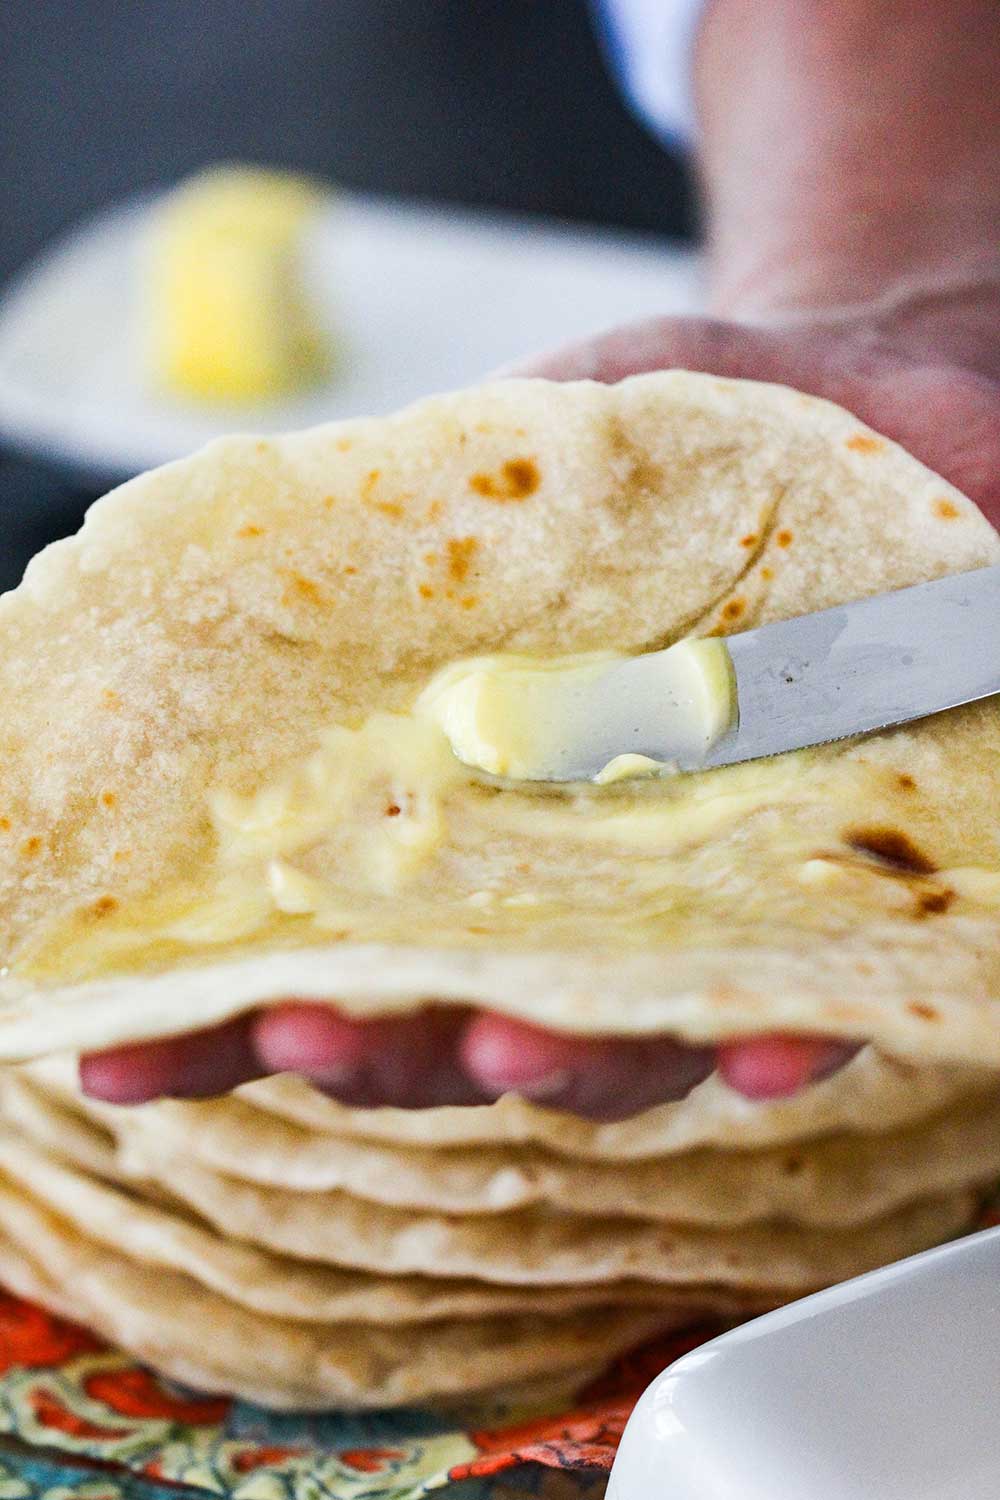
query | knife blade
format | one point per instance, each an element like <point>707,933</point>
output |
<point>869,665</point>
<point>843,672</point>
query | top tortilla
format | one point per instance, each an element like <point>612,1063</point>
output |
<point>193,646</point>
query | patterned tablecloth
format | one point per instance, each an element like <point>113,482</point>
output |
<point>61,1389</point>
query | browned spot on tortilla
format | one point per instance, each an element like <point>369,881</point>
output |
<point>393,810</point>
<point>924,1012</point>
<point>390,508</point>
<point>750,540</point>
<point>350,568</point>
<point>111,699</point>
<point>734,609</point>
<point>31,846</point>
<point>946,509</point>
<point>104,906</point>
<point>430,558</point>
<point>891,847</point>
<point>725,994</point>
<point>433,510</point>
<point>641,477</point>
<point>250,531</point>
<point>121,855</point>
<point>461,550</point>
<point>4,825</point>
<point>469,601</point>
<point>368,484</point>
<point>784,537</point>
<point>793,1165</point>
<point>516,480</point>
<point>425,591</point>
<point>932,903</point>
<point>905,782</point>
<point>864,442</point>
<point>767,574</point>
<point>109,799</point>
<point>303,588</point>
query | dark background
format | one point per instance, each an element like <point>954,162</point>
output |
<point>504,103</point>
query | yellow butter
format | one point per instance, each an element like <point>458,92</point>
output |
<point>539,719</point>
<point>229,315</point>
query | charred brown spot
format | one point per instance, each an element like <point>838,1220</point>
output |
<point>425,591</point>
<point>932,903</point>
<point>891,847</point>
<point>248,531</point>
<point>390,508</point>
<point>31,846</point>
<point>750,540</point>
<point>784,537</point>
<point>734,609</point>
<point>302,588</point>
<point>922,1011</point>
<point>369,482</point>
<point>109,799</point>
<point>4,825</point>
<point>350,568</point>
<point>104,906</point>
<point>946,509</point>
<point>767,574</point>
<point>905,782</point>
<point>461,550</point>
<point>329,501</point>
<point>469,601</point>
<point>393,810</point>
<point>864,442</point>
<point>516,480</point>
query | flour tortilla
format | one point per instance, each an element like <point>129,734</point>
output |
<point>873,1092</point>
<point>214,616</point>
<point>837,1181</point>
<point>535,1247</point>
<point>195,1336</point>
<point>156,1234</point>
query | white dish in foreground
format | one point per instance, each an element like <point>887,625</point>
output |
<point>422,300</point>
<point>883,1388</point>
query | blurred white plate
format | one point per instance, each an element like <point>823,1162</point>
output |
<point>423,300</point>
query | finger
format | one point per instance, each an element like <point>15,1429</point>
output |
<point>943,414</point>
<point>774,1067</point>
<point>708,344</point>
<point>410,1062</point>
<point>599,1078</point>
<point>194,1066</point>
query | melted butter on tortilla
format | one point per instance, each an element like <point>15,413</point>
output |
<point>382,835</point>
<point>538,719</point>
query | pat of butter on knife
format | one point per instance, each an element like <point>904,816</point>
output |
<point>537,719</point>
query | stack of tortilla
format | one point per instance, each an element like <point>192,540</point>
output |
<point>217,794</point>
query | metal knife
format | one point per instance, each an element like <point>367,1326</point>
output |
<point>842,672</point>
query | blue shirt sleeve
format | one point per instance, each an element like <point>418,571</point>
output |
<point>649,44</point>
